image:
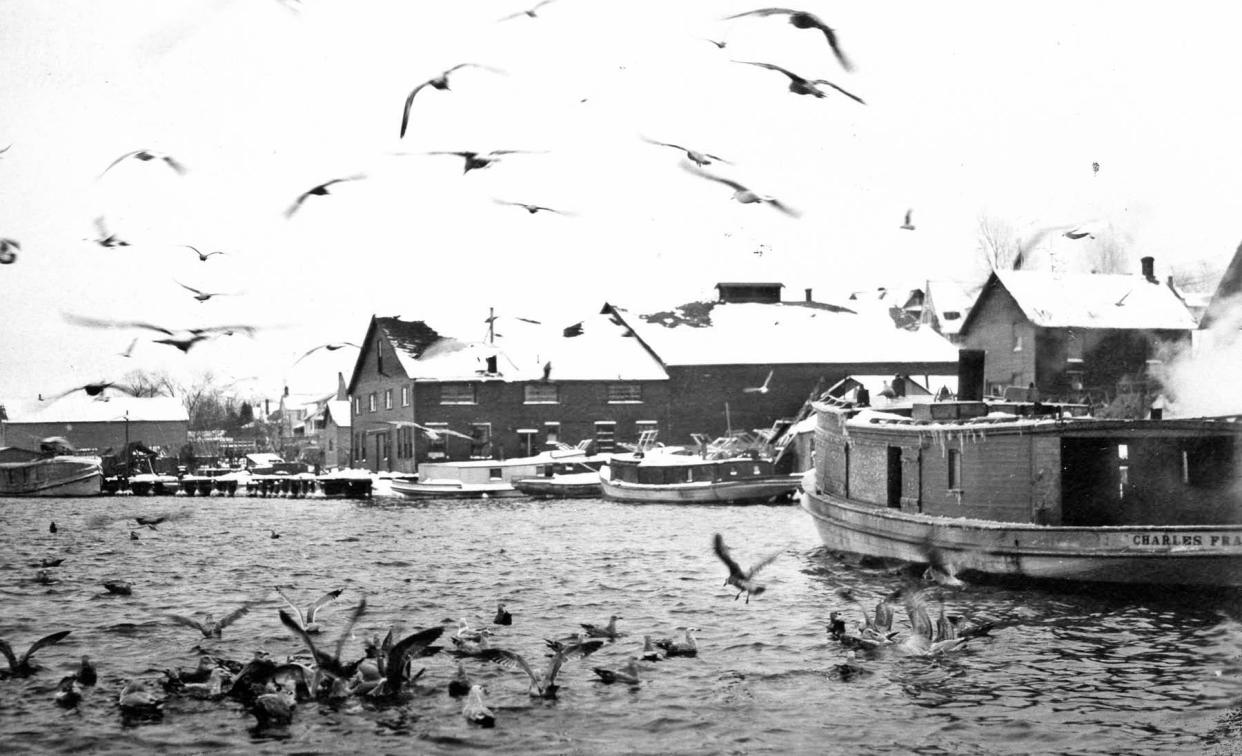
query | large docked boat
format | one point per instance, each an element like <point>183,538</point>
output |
<point>1032,490</point>
<point>487,478</point>
<point>30,473</point>
<point>726,471</point>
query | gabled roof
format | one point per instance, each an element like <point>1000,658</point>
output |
<point>1089,300</point>
<point>1228,289</point>
<point>338,411</point>
<point>80,408</point>
<point>944,296</point>
<point>715,333</point>
<point>595,348</point>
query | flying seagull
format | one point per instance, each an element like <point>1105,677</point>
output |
<point>532,209</point>
<point>208,626</point>
<point>1095,169</point>
<point>529,12</point>
<point>8,251</point>
<point>698,158</point>
<point>183,340</point>
<point>439,82</point>
<point>145,155</point>
<point>6,149</point>
<point>107,239</point>
<point>544,685</point>
<point>908,225</point>
<point>202,256</point>
<point>24,667</point>
<point>760,389</point>
<point>742,194</point>
<point>1075,234</point>
<point>743,580</point>
<point>804,20</point>
<point>319,190</point>
<point>330,347</point>
<point>475,160</point>
<point>307,619</point>
<point>96,389</point>
<point>799,85</point>
<point>719,43</point>
<point>202,296</point>
<point>329,662</point>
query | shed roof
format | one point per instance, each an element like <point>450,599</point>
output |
<point>714,333</point>
<point>1091,300</point>
<point>80,408</point>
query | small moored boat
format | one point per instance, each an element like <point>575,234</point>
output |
<point>29,473</point>
<point>727,471</point>
<point>488,478</point>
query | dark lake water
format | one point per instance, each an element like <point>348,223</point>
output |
<point>1065,671</point>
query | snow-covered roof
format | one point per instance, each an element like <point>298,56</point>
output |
<point>595,348</point>
<point>80,408</point>
<point>338,410</point>
<point>1095,300</point>
<point>951,301</point>
<point>715,333</point>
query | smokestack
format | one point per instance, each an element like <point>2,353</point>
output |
<point>970,374</point>
<point>1149,269</point>
<point>808,296</point>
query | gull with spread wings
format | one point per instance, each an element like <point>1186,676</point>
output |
<point>319,190</point>
<point>307,619</point>
<point>743,580</point>
<point>804,20</point>
<point>440,82</point>
<point>543,685</point>
<point>802,86</point>
<point>742,194</point>
<point>330,347</point>
<point>698,158</point>
<point>203,296</point>
<point>24,667</point>
<point>145,155</point>
<point>475,160</point>
<point>182,339</point>
<point>209,626</point>
<point>202,256</point>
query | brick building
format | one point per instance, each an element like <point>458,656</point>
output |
<point>418,396</point>
<point>1076,336</point>
<point>101,424</point>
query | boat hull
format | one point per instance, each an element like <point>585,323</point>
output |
<point>1189,555</point>
<point>560,487</point>
<point>59,476</point>
<point>749,491</point>
<point>453,489</point>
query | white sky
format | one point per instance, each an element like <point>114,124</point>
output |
<point>972,107</point>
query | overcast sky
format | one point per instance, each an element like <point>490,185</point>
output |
<point>971,108</point>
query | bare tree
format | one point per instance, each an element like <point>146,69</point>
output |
<point>1108,253</point>
<point>152,383</point>
<point>998,244</point>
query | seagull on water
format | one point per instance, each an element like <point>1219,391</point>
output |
<point>475,710</point>
<point>743,580</point>
<point>698,158</point>
<point>802,86</point>
<point>804,20</point>
<point>760,389</point>
<point>145,155</point>
<point>460,684</point>
<point>24,667</point>
<point>503,617</point>
<point>209,626</point>
<point>651,652</point>
<point>627,675</point>
<point>8,251</point>
<point>544,685</point>
<point>319,190</point>
<point>687,646</point>
<point>608,631</point>
<point>307,619</point>
<point>119,587</point>
<point>329,663</point>
<point>440,82</point>
<point>741,193</point>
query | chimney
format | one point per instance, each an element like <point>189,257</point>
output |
<point>1149,272</point>
<point>342,391</point>
<point>970,375</point>
<point>808,296</point>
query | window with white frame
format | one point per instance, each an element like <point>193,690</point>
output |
<point>457,393</point>
<point>371,401</point>
<point>405,396</point>
<point>542,393</point>
<point>625,393</point>
<point>387,398</point>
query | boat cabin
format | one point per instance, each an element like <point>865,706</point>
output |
<point>1027,462</point>
<point>685,468</point>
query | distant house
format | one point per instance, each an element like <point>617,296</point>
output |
<point>945,305</point>
<point>417,395</point>
<point>88,423</point>
<point>740,365</point>
<point>1074,335</point>
<point>325,433</point>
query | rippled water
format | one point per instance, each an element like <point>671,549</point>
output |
<point>1065,672</point>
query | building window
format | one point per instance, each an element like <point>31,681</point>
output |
<point>542,393</point>
<point>371,401</point>
<point>625,393</point>
<point>480,440</point>
<point>554,433</point>
<point>387,398</point>
<point>605,436</point>
<point>405,396</point>
<point>526,439</point>
<point>357,406</point>
<point>1017,337</point>
<point>457,393</point>
<point>379,356</point>
<point>955,470</point>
